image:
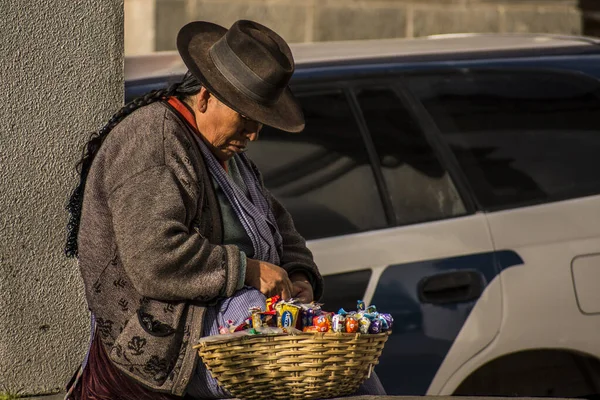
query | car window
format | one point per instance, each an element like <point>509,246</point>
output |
<point>419,187</point>
<point>521,137</point>
<point>323,175</point>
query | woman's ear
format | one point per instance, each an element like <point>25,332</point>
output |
<point>202,99</point>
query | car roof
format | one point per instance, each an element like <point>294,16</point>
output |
<point>440,47</point>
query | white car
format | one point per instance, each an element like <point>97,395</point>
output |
<point>454,182</point>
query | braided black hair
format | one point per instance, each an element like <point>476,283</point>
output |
<point>188,86</point>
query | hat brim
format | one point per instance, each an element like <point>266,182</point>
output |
<point>193,43</point>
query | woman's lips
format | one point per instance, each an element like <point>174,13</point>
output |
<point>237,148</point>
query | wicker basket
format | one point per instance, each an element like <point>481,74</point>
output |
<point>302,366</point>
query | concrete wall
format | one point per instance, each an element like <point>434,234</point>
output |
<point>61,78</point>
<point>322,20</point>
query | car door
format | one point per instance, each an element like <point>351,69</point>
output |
<point>528,141</point>
<point>442,282</point>
<point>387,224</point>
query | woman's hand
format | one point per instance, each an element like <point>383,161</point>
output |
<point>302,289</point>
<point>270,279</point>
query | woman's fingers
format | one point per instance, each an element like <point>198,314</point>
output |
<point>286,292</point>
<point>270,279</point>
<point>302,291</point>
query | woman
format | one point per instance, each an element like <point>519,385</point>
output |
<point>175,218</point>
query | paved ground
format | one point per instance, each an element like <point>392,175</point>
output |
<point>61,397</point>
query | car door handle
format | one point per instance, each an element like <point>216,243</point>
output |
<point>451,287</point>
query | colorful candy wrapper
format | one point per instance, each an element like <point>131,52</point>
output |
<point>271,302</point>
<point>287,315</point>
<point>371,309</point>
<point>241,327</point>
<point>375,326</point>
<point>342,312</point>
<point>307,316</point>
<point>360,305</point>
<point>338,323</point>
<point>308,312</point>
<point>388,319</point>
<point>371,316</point>
<point>351,325</point>
<point>256,319</point>
<point>269,318</point>
<point>322,323</point>
<point>364,324</point>
<point>223,330</point>
<point>262,319</point>
<point>328,315</point>
<point>384,324</point>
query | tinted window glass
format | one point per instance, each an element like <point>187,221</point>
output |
<point>520,136</point>
<point>354,285</point>
<point>420,188</point>
<point>322,175</point>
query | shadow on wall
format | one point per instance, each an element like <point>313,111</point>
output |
<point>590,17</point>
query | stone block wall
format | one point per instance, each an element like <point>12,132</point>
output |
<point>324,20</point>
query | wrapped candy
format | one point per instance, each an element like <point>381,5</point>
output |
<point>322,323</point>
<point>307,316</point>
<point>351,324</point>
<point>291,316</point>
<point>271,302</point>
<point>360,305</point>
<point>223,330</point>
<point>261,319</point>
<point>375,326</point>
<point>308,312</point>
<point>364,324</point>
<point>287,314</point>
<point>338,323</point>
<point>389,321</point>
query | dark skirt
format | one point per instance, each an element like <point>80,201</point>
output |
<point>101,380</point>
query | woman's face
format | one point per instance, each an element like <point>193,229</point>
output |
<point>227,131</point>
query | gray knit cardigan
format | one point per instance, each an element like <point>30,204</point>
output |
<point>150,247</point>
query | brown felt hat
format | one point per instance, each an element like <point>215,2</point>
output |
<point>247,67</point>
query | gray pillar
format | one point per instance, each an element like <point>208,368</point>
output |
<point>61,79</point>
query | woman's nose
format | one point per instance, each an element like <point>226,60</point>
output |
<point>253,132</point>
<point>252,136</point>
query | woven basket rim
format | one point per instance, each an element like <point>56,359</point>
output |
<point>305,334</point>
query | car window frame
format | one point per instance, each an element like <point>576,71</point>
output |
<point>344,85</point>
<point>421,117</point>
